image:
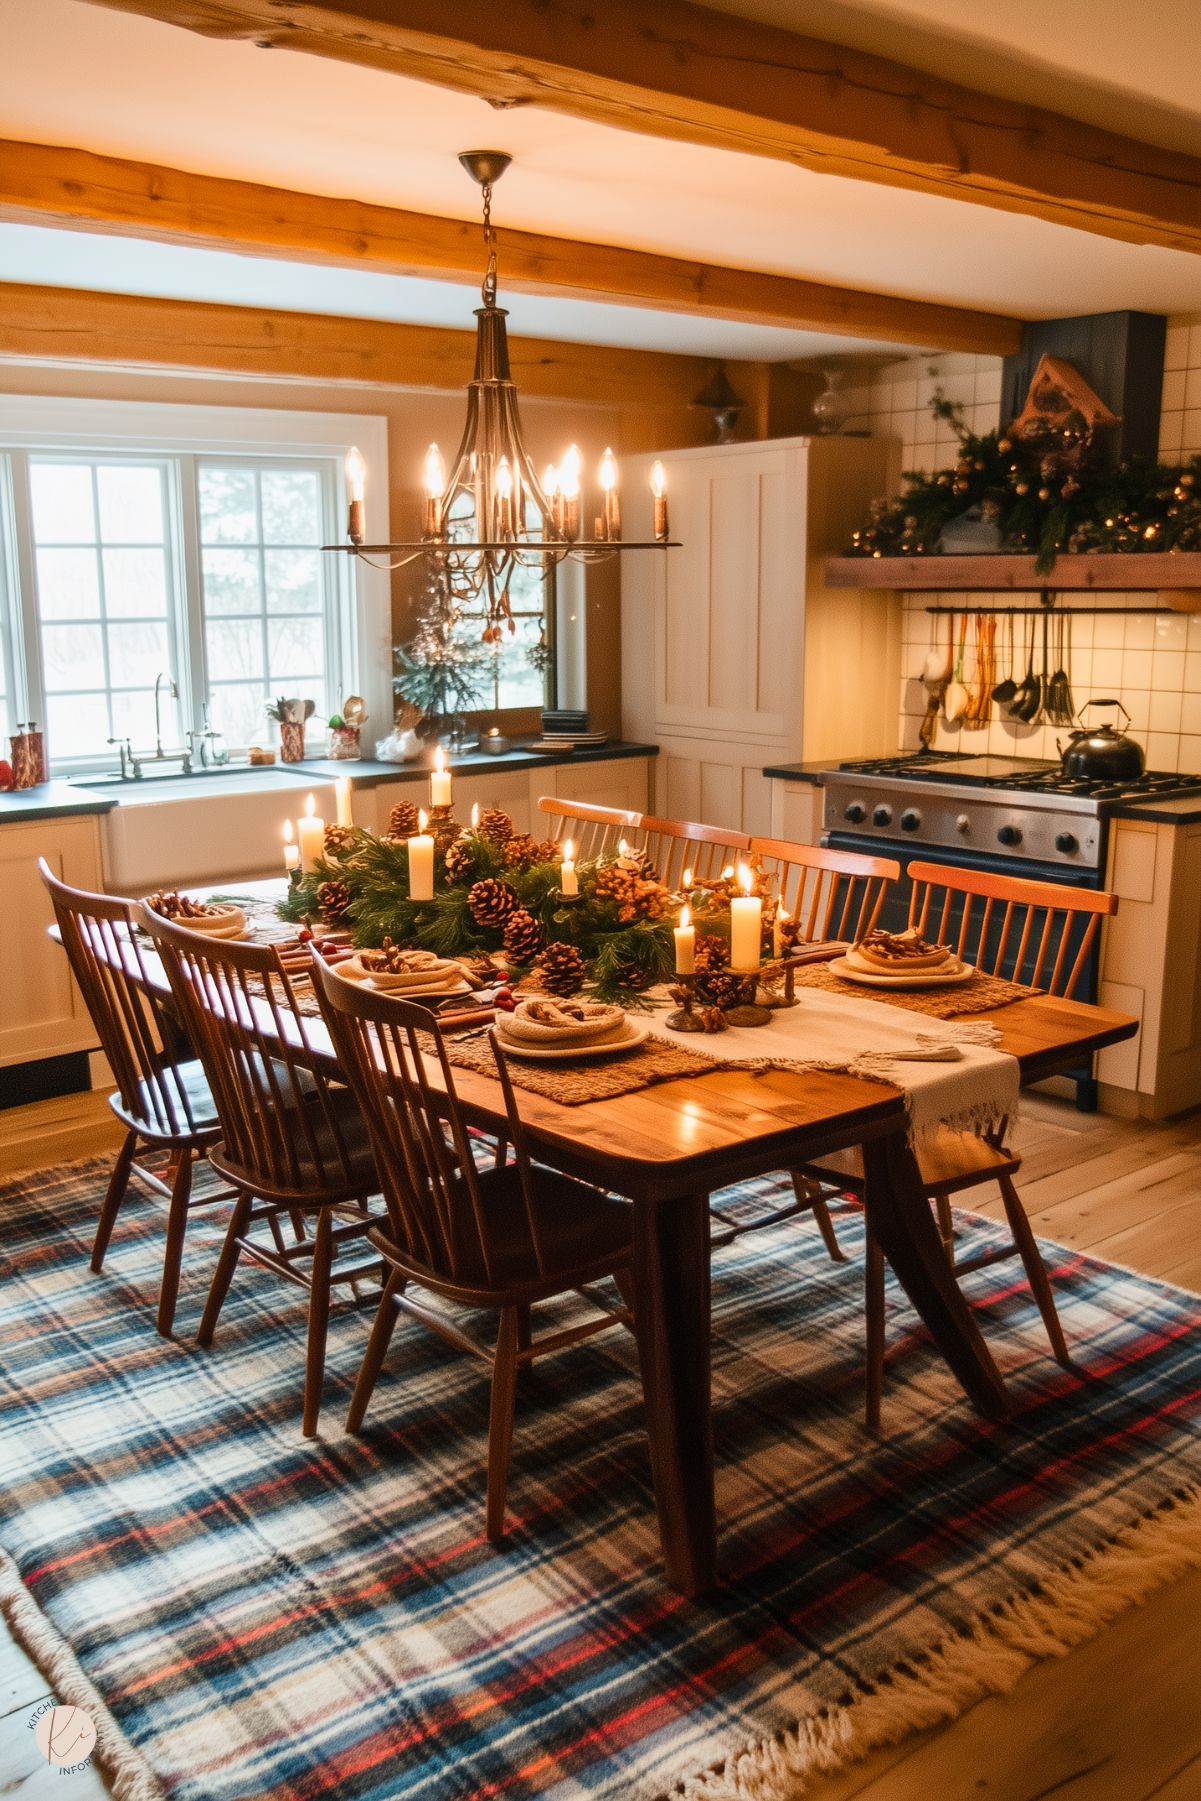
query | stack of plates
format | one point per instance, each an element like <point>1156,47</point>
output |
<point>901,960</point>
<point>568,740</point>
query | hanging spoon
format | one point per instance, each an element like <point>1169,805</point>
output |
<point>1004,691</point>
<point>1026,699</point>
<point>956,698</point>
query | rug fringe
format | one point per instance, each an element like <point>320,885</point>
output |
<point>988,1659</point>
<point>127,1772</point>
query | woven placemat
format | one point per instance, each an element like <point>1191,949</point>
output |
<point>976,996</point>
<point>573,1084</point>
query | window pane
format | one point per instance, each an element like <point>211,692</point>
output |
<point>227,507</point>
<point>291,506</point>
<point>518,683</point>
<point>239,713</point>
<point>137,654</point>
<point>293,581</point>
<point>62,503</point>
<point>68,585</point>
<point>131,504</point>
<point>235,648</point>
<point>135,583</point>
<point>231,581</point>
<point>73,656</point>
<point>133,718</point>
<point>76,725</point>
<point>294,647</point>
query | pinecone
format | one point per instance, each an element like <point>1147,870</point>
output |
<point>561,969</point>
<point>521,852</point>
<point>642,863</point>
<point>713,1020</point>
<point>722,988</point>
<point>333,898</point>
<point>402,820</point>
<point>548,851</point>
<point>338,839</point>
<point>635,976</point>
<point>712,954</point>
<point>490,903</point>
<point>460,860</point>
<point>634,896</point>
<point>523,937</point>
<point>496,824</point>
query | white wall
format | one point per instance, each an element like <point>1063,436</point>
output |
<point>1150,661</point>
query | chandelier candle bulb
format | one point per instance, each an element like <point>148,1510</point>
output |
<point>612,505</point>
<point>504,499</point>
<point>569,489</point>
<point>685,937</point>
<point>291,849</point>
<point>568,881</point>
<point>342,793</point>
<point>440,781</point>
<point>421,862</point>
<point>310,831</point>
<point>435,482</point>
<point>659,501</point>
<point>746,926</point>
<point>356,471</point>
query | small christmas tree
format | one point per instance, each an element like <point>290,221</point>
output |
<point>441,670</point>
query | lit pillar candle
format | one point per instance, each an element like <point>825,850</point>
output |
<point>342,792</point>
<point>777,932</point>
<point>659,500</point>
<point>746,926</point>
<point>421,863</point>
<point>568,881</point>
<point>435,482</point>
<point>440,781</point>
<point>310,830</point>
<point>291,852</point>
<point>685,937</point>
<point>612,505</point>
<point>356,471</point>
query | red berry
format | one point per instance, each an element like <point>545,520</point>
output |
<point>305,935</point>
<point>504,1000</point>
<point>328,948</point>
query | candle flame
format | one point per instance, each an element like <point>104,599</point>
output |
<point>623,849</point>
<point>685,915</point>
<point>569,473</point>
<point>658,480</point>
<point>568,850</point>
<point>550,481</point>
<point>475,815</point>
<point>356,469</point>
<point>744,878</point>
<point>688,878</point>
<point>310,806</point>
<point>288,832</point>
<point>504,480</point>
<point>608,471</point>
<point>439,760</point>
<point>422,819</point>
<point>727,874</point>
<point>435,473</point>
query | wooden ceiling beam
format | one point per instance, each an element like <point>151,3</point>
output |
<point>51,185</point>
<point>69,325</point>
<point>676,70</point>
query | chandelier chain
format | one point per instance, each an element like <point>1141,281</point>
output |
<point>488,287</point>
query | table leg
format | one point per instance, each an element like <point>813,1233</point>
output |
<point>671,1315</point>
<point>903,1223</point>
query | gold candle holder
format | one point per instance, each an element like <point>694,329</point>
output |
<point>748,1011</point>
<point>684,1019</point>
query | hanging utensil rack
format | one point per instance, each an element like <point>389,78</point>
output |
<point>1046,604</point>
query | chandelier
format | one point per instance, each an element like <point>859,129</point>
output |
<point>493,514</point>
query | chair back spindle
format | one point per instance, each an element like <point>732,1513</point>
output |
<point>1039,933</point>
<point>829,893</point>
<point>672,845</point>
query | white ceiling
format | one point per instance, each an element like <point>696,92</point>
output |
<point>106,81</point>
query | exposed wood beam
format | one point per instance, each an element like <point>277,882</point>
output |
<point>49,185</point>
<point>681,71</point>
<point>69,325</point>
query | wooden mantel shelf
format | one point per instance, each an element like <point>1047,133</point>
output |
<point>1175,574</point>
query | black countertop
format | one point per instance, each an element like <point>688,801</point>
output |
<point>59,799</point>
<point>802,772</point>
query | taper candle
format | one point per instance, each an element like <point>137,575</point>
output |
<point>310,830</point>
<point>421,862</point>
<point>685,937</point>
<point>291,853</point>
<point>342,795</point>
<point>568,881</point>
<point>440,781</point>
<point>356,470</point>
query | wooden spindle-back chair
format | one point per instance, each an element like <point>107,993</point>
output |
<point>502,1238</point>
<point>831,894</point>
<point>672,845</point>
<point>1041,933</point>
<point>162,1097</point>
<point>292,1141</point>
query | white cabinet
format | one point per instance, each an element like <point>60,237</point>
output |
<point>43,1013</point>
<point>734,653</point>
<point>607,782</point>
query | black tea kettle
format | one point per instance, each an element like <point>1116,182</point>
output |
<point>1102,753</point>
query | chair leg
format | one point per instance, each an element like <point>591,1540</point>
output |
<point>314,1362</point>
<point>821,1213</point>
<point>118,1183</point>
<point>500,1422</point>
<point>177,1225</point>
<point>223,1275</point>
<point>946,1225</point>
<point>377,1350</point>
<point>523,1329</point>
<point>1032,1263</point>
<point>873,1300</point>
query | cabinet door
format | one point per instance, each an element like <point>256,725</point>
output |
<point>621,783</point>
<point>43,1013</point>
<point>714,781</point>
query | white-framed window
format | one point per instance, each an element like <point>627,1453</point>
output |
<point>165,572</point>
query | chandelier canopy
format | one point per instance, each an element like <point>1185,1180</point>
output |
<point>493,513</point>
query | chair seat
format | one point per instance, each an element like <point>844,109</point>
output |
<point>318,1182</point>
<point>180,1106</point>
<point>581,1233</point>
<point>947,1161</point>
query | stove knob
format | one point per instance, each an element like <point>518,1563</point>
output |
<point>882,816</point>
<point>1066,843</point>
<point>1009,834</point>
<point>963,824</point>
<point>856,812</point>
<point>910,819</point>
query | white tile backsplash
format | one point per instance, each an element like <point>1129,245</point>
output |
<point>1150,661</point>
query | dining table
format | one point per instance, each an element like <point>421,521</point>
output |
<point>666,1148</point>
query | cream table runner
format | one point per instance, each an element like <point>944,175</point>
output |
<point>948,1070</point>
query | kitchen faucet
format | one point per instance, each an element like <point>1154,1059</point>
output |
<point>159,679</point>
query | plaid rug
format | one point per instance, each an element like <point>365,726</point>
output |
<point>271,1617</point>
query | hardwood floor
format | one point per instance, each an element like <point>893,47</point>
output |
<point>1117,1719</point>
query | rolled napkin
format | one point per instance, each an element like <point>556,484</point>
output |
<point>219,919</point>
<point>549,1024</point>
<point>392,969</point>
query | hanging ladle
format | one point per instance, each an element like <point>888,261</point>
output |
<point>1025,702</point>
<point>1004,691</point>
